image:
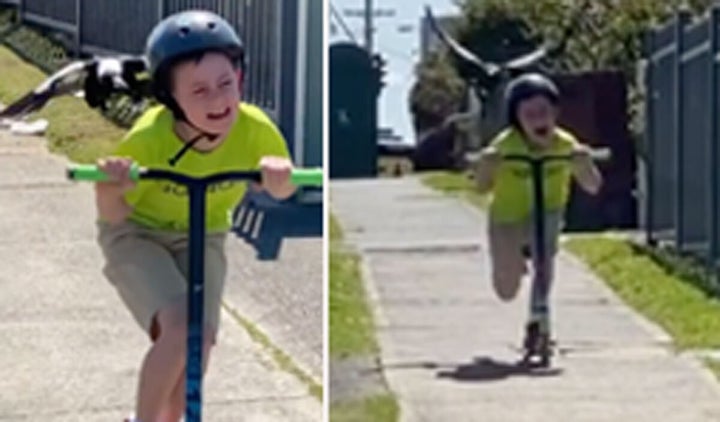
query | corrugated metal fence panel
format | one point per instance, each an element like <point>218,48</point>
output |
<point>695,142</point>
<point>59,10</point>
<point>174,6</point>
<point>696,34</point>
<point>288,60</point>
<point>663,177</point>
<point>662,183</point>
<point>260,23</point>
<point>714,147</point>
<point>313,110</point>
<point>685,210</point>
<point>120,26</point>
<point>665,34</point>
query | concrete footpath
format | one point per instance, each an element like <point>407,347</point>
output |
<point>449,346</point>
<point>69,351</point>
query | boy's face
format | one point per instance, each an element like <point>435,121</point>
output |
<point>208,92</point>
<point>537,117</point>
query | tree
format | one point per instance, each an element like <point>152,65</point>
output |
<point>436,93</point>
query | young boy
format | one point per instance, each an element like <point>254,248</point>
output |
<point>532,110</point>
<point>196,61</point>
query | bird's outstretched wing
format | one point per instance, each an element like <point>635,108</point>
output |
<point>488,68</point>
<point>67,80</point>
<point>526,60</point>
<point>98,78</point>
<point>515,65</point>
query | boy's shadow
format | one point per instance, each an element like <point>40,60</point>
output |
<point>488,369</point>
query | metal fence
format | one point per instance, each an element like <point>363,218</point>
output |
<point>681,84</point>
<point>269,28</point>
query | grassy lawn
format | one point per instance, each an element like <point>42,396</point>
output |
<point>284,360</point>
<point>352,331</point>
<point>351,322</point>
<point>455,184</point>
<point>381,408</point>
<point>74,130</point>
<point>670,296</point>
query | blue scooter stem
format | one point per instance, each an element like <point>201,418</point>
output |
<point>196,188</point>
<point>541,282</point>
<point>195,304</point>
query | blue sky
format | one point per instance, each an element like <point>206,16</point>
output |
<point>401,49</point>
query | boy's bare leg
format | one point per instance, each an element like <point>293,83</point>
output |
<point>174,408</point>
<point>163,364</point>
<point>508,263</point>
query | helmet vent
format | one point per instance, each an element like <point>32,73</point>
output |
<point>211,25</point>
<point>184,31</point>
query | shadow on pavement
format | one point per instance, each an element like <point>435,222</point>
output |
<point>480,369</point>
<point>488,369</point>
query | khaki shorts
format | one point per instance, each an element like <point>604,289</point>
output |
<point>506,243</point>
<point>149,269</point>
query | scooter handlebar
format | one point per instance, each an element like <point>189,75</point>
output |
<point>91,173</point>
<point>597,154</point>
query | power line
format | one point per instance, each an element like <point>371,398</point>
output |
<point>408,58</point>
<point>341,22</point>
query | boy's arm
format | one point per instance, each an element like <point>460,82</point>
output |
<point>276,176</point>
<point>274,160</point>
<point>485,168</point>
<point>110,196</point>
<point>585,171</point>
<point>110,202</point>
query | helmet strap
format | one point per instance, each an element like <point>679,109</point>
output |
<point>180,116</point>
<point>167,98</point>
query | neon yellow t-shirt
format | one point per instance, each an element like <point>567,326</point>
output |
<point>512,193</point>
<point>162,204</point>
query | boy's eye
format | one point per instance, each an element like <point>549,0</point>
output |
<point>225,84</point>
<point>199,91</point>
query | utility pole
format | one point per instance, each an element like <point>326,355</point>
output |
<point>369,11</point>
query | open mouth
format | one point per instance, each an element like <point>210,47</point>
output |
<point>219,116</point>
<point>542,131</point>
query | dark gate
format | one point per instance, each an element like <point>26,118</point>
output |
<point>593,106</point>
<point>353,88</point>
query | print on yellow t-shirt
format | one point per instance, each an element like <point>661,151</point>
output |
<point>512,193</point>
<point>163,204</point>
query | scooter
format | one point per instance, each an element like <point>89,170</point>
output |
<point>538,346</point>
<point>197,188</point>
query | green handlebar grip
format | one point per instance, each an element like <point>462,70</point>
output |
<point>91,173</point>
<point>307,177</point>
